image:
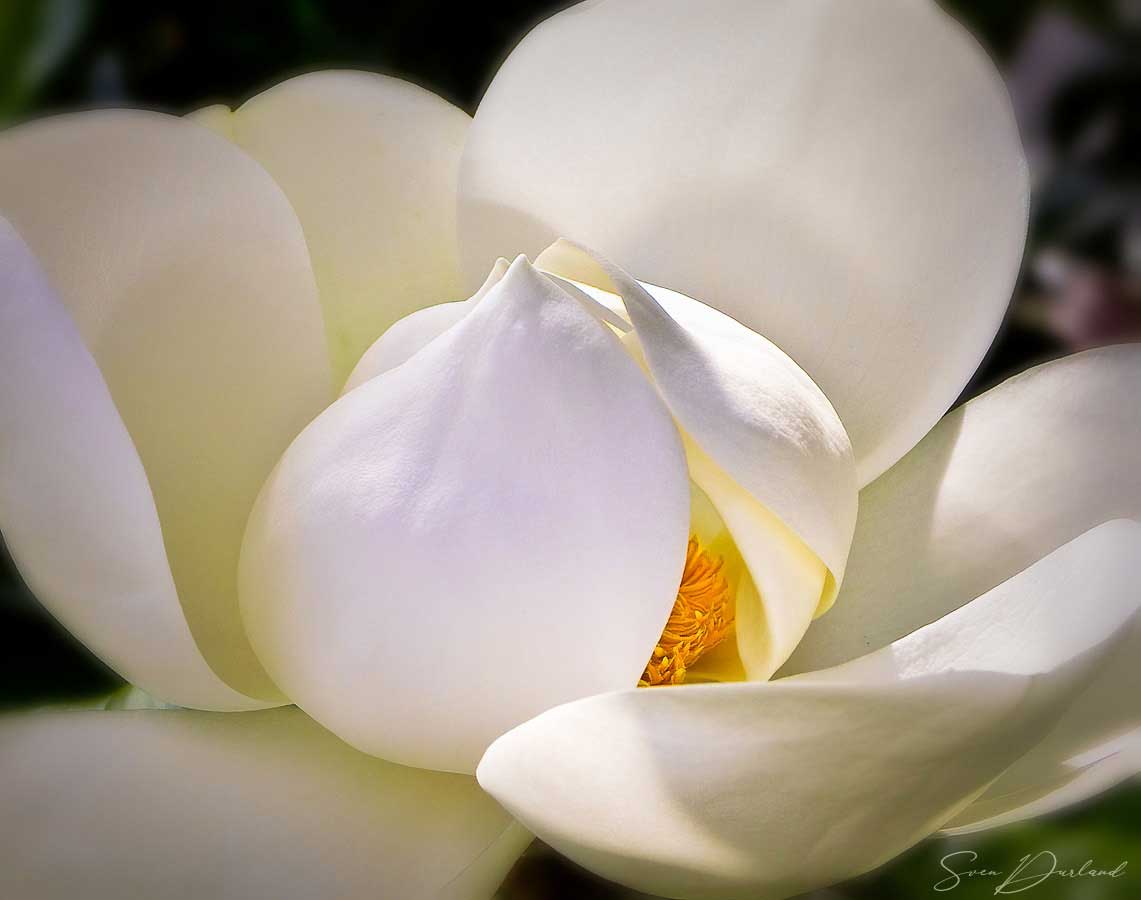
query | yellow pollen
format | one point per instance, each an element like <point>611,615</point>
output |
<point>701,619</point>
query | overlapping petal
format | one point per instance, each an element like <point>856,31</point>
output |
<point>370,164</point>
<point>185,272</point>
<point>845,179</point>
<point>496,526</point>
<point>762,441</point>
<point>998,484</point>
<point>76,510</point>
<point>185,805</point>
<point>770,789</point>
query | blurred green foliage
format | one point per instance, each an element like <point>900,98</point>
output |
<point>67,54</point>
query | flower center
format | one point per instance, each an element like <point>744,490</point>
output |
<point>701,619</point>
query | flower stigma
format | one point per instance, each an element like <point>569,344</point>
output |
<point>701,618</point>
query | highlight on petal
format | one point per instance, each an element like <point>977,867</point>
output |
<point>845,179</point>
<point>762,441</point>
<point>770,789</point>
<point>999,483</point>
<point>186,805</point>
<point>370,164</point>
<point>492,528</point>
<point>76,511</point>
<point>186,274</point>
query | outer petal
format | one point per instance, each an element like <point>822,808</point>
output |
<point>762,441</point>
<point>75,507</point>
<point>999,483</point>
<point>767,790</point>
<point>184,805</point>
<point>845,179</point>
<point>492,528</point>
<point>370,163</point>
<point>186,274</point>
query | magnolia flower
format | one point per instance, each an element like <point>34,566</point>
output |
<point>525,504</point>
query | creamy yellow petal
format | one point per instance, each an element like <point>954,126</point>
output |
<point>186,274</point>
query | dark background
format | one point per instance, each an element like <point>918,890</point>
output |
<point>1074,77</point>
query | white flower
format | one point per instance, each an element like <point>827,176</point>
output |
<point>481,541</point>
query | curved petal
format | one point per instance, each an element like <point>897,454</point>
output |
<point>753,411</point>
<point>370,164</point>
<point>184,805</point>
<point>762,441</point>
<point>416,330</point>
<point>496,526</point>
<point>76,511</point>
<point>999,483</point>
<point>185,271</point>
<point>845,179</point>
<point>770,789</point>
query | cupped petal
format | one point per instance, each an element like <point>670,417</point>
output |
<point>370,164</point>
<point>185,272</point>
<point>76,510</point>
<point>999,483</point>
<point>845,179</point>
<point>770,789</point>
<point>184,805</point>
<point>762,441</point>
<point>494,527</point>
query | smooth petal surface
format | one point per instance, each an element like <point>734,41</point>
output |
<point>492,528</point>
<point>998,484</point>
<point>184,805</point>
<point>845,179</point>
<point>370,164</point>
<point>76,511</point>
<point>770,789</point>
<point>185,272</point>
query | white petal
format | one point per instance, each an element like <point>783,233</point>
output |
<point>496,526</point>
<point>1084,780</point>
<point>845,179</point>
<point>186,274</point>
<point>998,484</point>
<point>416,330</point>
<point>185,805</point>
<point>75,508</point>
<point>762,441</point>
<point>370,164</point>
<point>770,789</point>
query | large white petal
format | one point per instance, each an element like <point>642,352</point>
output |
<point>844,178</point>
<point>496,526</point>
<point>185,271</point>
<point>186,805</point>
<point>75,508</point>
<point>370,164</point>
<point>769,789</point>
<point>998,484</point>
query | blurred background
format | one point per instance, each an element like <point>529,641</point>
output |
<point>1074,71</point>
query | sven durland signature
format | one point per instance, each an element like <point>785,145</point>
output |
<point>1031,871</point>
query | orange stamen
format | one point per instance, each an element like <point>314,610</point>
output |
<point>701,619</point>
